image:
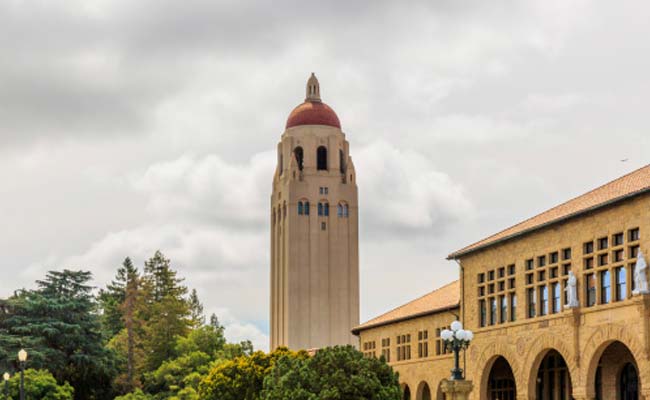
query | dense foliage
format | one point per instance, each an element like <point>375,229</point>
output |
<point>336,373</point>
<point>145,337</point>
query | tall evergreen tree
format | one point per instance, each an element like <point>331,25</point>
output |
<point>197,319</point>
<point>111,298</point>
<point>167,313</point>
<point>58,325</point>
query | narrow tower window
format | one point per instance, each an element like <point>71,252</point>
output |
<point>321,158</point>
<point>300,209</point>
<point>340,210</point>
<point>299,157</point>
<point>306,208</point>
<point>342,161</point>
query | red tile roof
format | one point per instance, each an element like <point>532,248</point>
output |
<point>444,298</point>
<point>634,183</point>
<point>313,113</point>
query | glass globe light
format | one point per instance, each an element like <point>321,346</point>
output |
<point>446,334</point>
<point>6,376</point>
<point>456,325</point>
<point>460,334</point>
<point>22,355</point>
<point>469,336</point>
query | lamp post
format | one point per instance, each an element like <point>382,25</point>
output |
<point>6,377</point>
<point>457,339</point>
<point>22,357</point>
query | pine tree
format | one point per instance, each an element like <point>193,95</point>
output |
<point>132,323</point>
<point>197,318</point>
<point>111,298</point>
<point>167,312</point>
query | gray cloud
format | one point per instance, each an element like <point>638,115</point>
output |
<point>127,127</point>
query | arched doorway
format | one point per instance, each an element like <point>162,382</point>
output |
<point>406,393</point>
<point>629,383</point>
<point>616,375</point>
<point>424,393</point>
<point>553,380</point>
<point>501,381</point>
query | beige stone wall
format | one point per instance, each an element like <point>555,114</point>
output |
<point>314,271</point>
<point>618,331</point>
<point>579,335</point>
<point>417,371</point>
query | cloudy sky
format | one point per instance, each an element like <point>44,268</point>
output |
<point>127,127</point>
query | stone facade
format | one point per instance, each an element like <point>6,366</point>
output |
<point>598,351</point>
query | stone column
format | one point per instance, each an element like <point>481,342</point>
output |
<point>456,389</point>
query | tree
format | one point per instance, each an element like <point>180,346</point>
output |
<point>58,324</point>
<point>181,375</point>
<point>167,311</point>
<point>111,298</point>
<point>136,395</point>
<point>41,385</point>
<point>334,373</point>
<point>197,319</point>
<point>241,378</point>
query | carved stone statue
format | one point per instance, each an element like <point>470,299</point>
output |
<point>640,275</point>
<point>572,291</point>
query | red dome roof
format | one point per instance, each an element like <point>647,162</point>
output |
<point>313,113</point>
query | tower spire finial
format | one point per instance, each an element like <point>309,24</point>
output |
<point>313,89</point>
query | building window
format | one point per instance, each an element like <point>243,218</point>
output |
<point>543,298</point>
<point>385,349</point>
<point>504,309</point>
<point>618,255</point>
<point>300,208</point>
<point>588,247</point>
<point>557,297</point>
<point>369,349</point>
<point>324,190</point>
<point>531,303</point>
<point>299,157</point>
<point>342,210</point>
<point>513,307</point>
<point>618,239</point>
<point>566,254</point>
<point>602,259</point>
<point>602,243</point>
<point>321,158</point>
<point>481,278</point>
<point>591,289</point>
<point>621,283</point>
<point>491,275</point>
<point>633,235</point>
<point>423,344</point>
<point>306,208</point>
<point>323,209</point>
<point>342,165</point>
<point>554,258</point>
<point>493,311</point>
<point>483,312</point>
<point>529,265</point>
<point>511,269</point>
<point>345,211</point>
<point>323,226</point>
<point>403,347</point>
<point>541,261</point>
<point>605,287</point>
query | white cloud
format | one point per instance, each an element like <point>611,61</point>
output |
<point>208,189</point>
<point>401,190</point>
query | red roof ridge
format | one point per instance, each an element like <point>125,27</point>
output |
<point>487,240</point>
<point>376,321</point>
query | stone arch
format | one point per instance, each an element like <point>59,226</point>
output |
<point>596,345</point>
<point>485,361</point>
<point>406,392</point>
<point>536,351</point>
<point>423,392</point>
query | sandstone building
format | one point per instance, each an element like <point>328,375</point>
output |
<point>529,343</point>
<point>314,231</point>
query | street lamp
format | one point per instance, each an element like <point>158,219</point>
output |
<point>22,357</point>
<point>6,377</point>
<point>457,339</point>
